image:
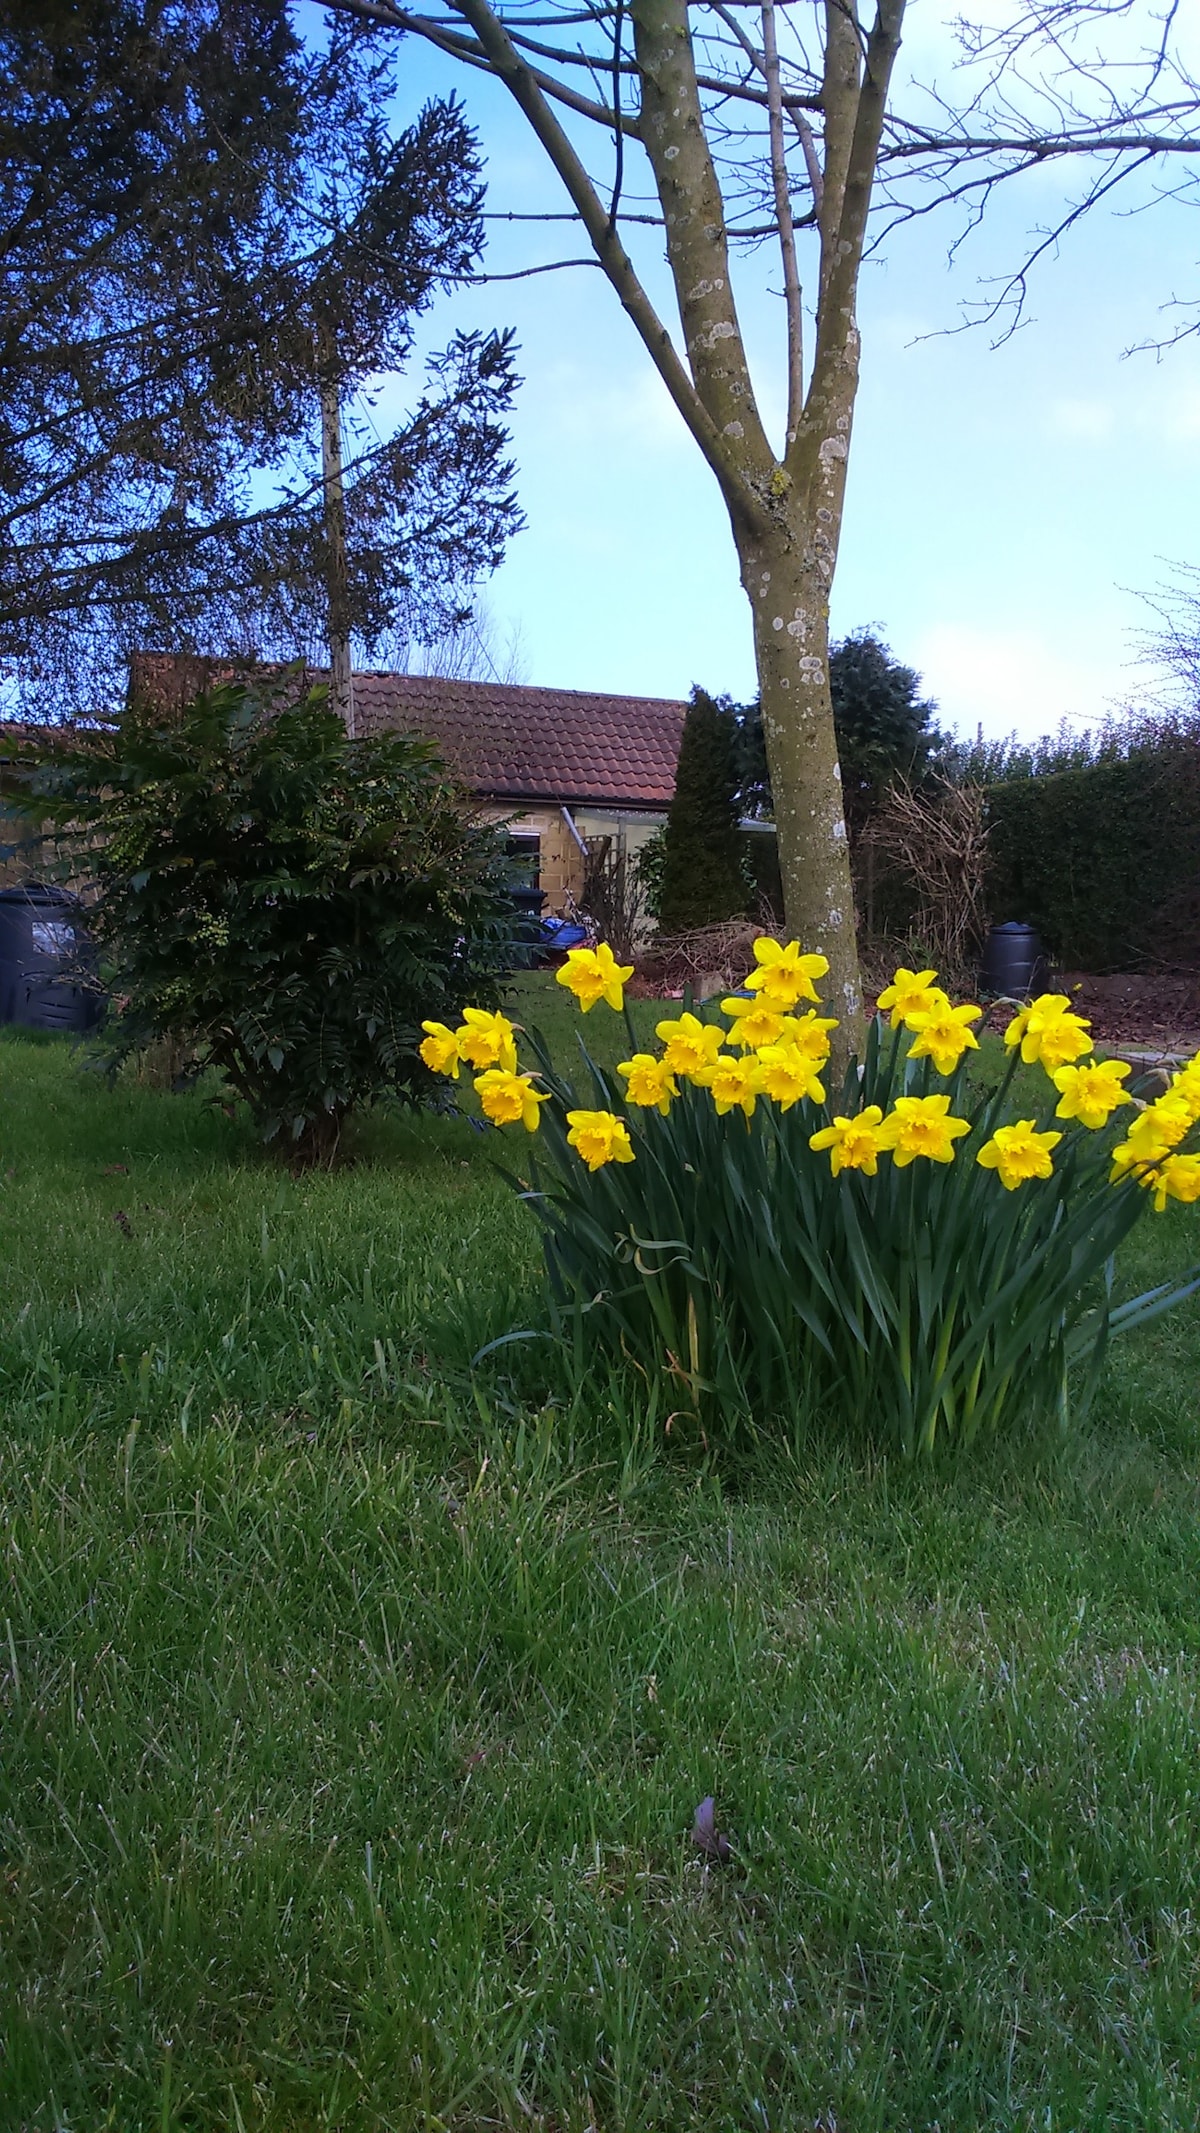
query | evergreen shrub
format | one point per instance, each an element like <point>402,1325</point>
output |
<point>703,878</point>
<point>284,901</point>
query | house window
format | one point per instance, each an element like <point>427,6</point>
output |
<point>525,847</point>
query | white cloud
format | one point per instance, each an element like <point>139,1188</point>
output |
<point>1081,421</point>
<point>1175,414</point>
<point>592,410</point>
<point>1009,681</point>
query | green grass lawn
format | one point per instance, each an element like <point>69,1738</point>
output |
<point>356,1710</point>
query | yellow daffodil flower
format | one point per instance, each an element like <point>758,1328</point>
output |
<point>789,1075</point>
<point>1049,1033</point>
<point>921,1126</point>
<point>807,1034</point>
<point>649,1082</point>
<point>594,974</point>
<point>440,1050</point>
<point>736,1082</point>
<point>691,1047</point>
<point>753,1022</point>
<point>1018,1153</point>
<point>1091,1092</point>
<point>509,1099</point>
<point>1178,1179</point>
<point>784,976</point>
<point>856,1143</point>
<point>1154,1134</point>
<point>487,1040</point>
<point>599,1137</point>
<point>1063,1041</point>
<point>911,992</point>
<point>1185,1086</point>
<point>943,1034</point>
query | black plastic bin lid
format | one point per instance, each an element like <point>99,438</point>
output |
<point>37,892</point>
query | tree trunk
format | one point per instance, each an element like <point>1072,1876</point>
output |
<point>341,678</point>
<point>317,1147</point>
<point>789,602</point>
<point>786,513</point>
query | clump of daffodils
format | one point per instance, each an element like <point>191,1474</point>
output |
<point>774,1045</point>
<point>897,1247</point>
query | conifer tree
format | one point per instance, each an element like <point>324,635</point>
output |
<point>703,880</point>
<point>209,233</point>
<point>885,731</point>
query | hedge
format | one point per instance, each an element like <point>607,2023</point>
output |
<point>1104,858</point>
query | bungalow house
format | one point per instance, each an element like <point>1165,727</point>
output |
<point>561,766</point>
<point>22,851</point>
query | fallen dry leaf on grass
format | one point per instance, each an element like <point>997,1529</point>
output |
<point>707,1837</point>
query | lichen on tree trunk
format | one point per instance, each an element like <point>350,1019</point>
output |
<point>789,604</point>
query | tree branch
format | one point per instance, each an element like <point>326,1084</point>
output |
<point>476,55</point>
<point>697,250</point>
<point>853,128</point>
<point>795,106</point>
<point>518,78</point>
<point>552,266</point>
<point>787,234</point>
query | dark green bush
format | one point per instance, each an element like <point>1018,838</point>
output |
<point>703,880</point>
<point>288,902</point>
<point>1104,857</point>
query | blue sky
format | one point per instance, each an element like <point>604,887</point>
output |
<point>1006,505</point>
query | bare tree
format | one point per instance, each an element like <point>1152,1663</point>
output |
<point>477,647</point>
<point>759,121</point>
<point>938,840</point>
<point>1171,652</point>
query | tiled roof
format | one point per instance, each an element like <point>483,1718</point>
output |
<point>504,742</point>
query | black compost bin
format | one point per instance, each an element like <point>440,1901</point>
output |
<point>527,947</point>
<point>527,902</point>
<point>44,955</point>
<point>1014,965</point>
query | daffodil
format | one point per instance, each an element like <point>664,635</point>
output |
<point>788,1075</point>
<point>509,1099</point>
<point>808,1034</point>
<point>783,975</point>
<point>649,1082</point>
<point>943,1034</point>
<point>487,1040</point>
<point>692,1047</point>
<point>911,992</point>
<point>753,1022</point>
<point>736,1083</point>
<point>1019,1152</point>
<point>1091,1092</point>
<point>1153,1136</point>
<point>1049,1033</point>
<point>1185,1086</point>
<point>440,1050</point>
<point>921,1125</point>
<point>599,1137</point>
<point>594,974</point>
<point>1177,1179</point>
<point>1063,1041</point>
<point>856,1143</point>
